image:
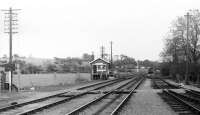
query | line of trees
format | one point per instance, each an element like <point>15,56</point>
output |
<point>175,54</point>
<point>126,63</point>
<point>60,65</point>
<point>72,64</point>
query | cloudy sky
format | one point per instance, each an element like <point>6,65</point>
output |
<point>62,28</point>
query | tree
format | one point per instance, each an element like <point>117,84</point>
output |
<point>87,57</point>
<point>51,68</point>
<point>175,43</point>
<point>125,63</point>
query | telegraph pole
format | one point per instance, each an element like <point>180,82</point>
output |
<point>187,50</point>
<point>111,59</point>
<point>137,65</point>
<point>10,24</point>
<point>102,52</point>
<point>92,56</point>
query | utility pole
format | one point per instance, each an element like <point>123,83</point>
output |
<point>102,52</point>
<point>181,37</point>
<point>187,50</point>
<point>92,56</point>
<point>196,35</point>
<point>10,27</point>
<point>111,59</point>
<point>137,65</point>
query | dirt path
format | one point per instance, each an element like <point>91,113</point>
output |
<point>147,102</point>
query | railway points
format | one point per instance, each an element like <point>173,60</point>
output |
<point>49,101</point>
<point>101,104</point>
<point>182,101</point>
<point>137,94</point>
<point>46,75</point>
<point>146,102</point>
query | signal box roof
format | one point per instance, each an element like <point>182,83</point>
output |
<point>98,60</point>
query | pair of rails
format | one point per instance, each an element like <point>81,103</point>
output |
<point>85,90</point>
<point>187,102</point>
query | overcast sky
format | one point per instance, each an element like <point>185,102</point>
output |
<point>62,28</point>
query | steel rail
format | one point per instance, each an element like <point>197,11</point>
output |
<point>172,85</point>
<point>169,84</point>
<point>88,86</point>
<point>189,98</point>
<point>3,109</point>
<point>193,92</point>
<point>28,112</point>
<point>169,92</point>
<point>120,106</point>
<point>182,101</point>
<point>76,111</point>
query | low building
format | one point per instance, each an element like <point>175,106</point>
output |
<point>100,69</point>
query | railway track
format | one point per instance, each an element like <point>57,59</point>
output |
<point>36,105</point>
<point>109,103</point>
<point>179,104</point>
<point>193,93</point>
<point>162,84</point>
<point>184,102</point>
<point>118,109</point>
